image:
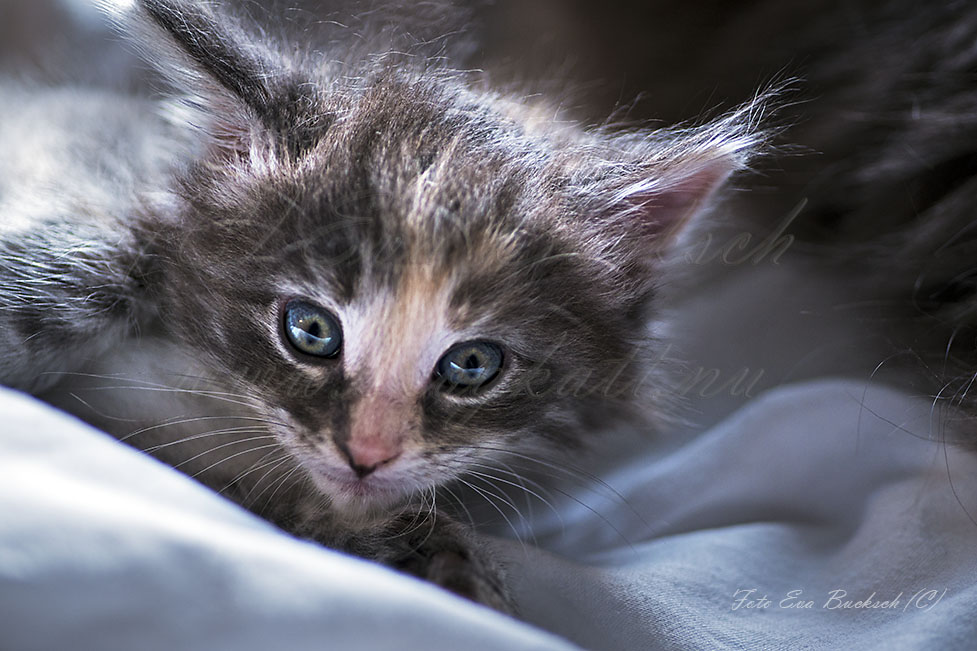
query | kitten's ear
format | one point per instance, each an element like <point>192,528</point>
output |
<point>652,186</point>
<point>237,89</point>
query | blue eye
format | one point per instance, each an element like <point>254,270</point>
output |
<point>312,330</point>
<point>469,365</point>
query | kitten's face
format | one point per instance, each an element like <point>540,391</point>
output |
<point>405,298</point>
<point>410,277</point>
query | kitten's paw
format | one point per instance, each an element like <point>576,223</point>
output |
<point>436,549</point>
<point>451,556</point>
<point>452,571</point>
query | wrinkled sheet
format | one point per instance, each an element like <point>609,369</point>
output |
<point>823,515</point>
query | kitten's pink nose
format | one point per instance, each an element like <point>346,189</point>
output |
<point>367,455</point>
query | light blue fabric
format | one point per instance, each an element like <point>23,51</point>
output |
<point>808,491</point>
<point>103,548</point>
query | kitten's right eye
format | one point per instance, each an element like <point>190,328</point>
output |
<point>312,330</point>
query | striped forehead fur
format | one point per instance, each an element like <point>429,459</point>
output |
<point>395,337</point>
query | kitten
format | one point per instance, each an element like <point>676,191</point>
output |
<point>384,270</point>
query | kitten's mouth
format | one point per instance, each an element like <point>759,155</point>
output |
<point>350,492</point>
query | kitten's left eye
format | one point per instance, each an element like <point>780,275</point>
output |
<point>312,330</point>
<point>469,365</point>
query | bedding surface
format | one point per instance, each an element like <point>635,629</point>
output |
<point>826,514</point>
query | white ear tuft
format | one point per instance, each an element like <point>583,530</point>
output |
<point>116,8</point>
<point>233,86</point>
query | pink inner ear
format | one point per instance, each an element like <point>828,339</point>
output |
<point>659,208</point>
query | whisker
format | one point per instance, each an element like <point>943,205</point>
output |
<point>418,520</point>
<point>216,432</point>
<point>496,507</point>
<point>256,466</point>
<point>429,517</point>
<point>195,419</point>
<point>571,472</point>
<point>949,476</point>
<point>222,446</point>
<point>100,413</point>
<point>146,384</point>
<point>277,485</point>
<point>570,496</point>
<point>271,465</point>
<point>460,503</point>
<point>523,487</point>
<point>193,392</point>
<point>236,454</point>
<point>415,523</point>
<point>488,479</point>
<point>603,518</point>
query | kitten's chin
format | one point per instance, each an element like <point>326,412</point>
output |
<point>357,499</point>
<point>360,497</point>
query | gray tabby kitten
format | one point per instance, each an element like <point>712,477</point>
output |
<point>384,271</point>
